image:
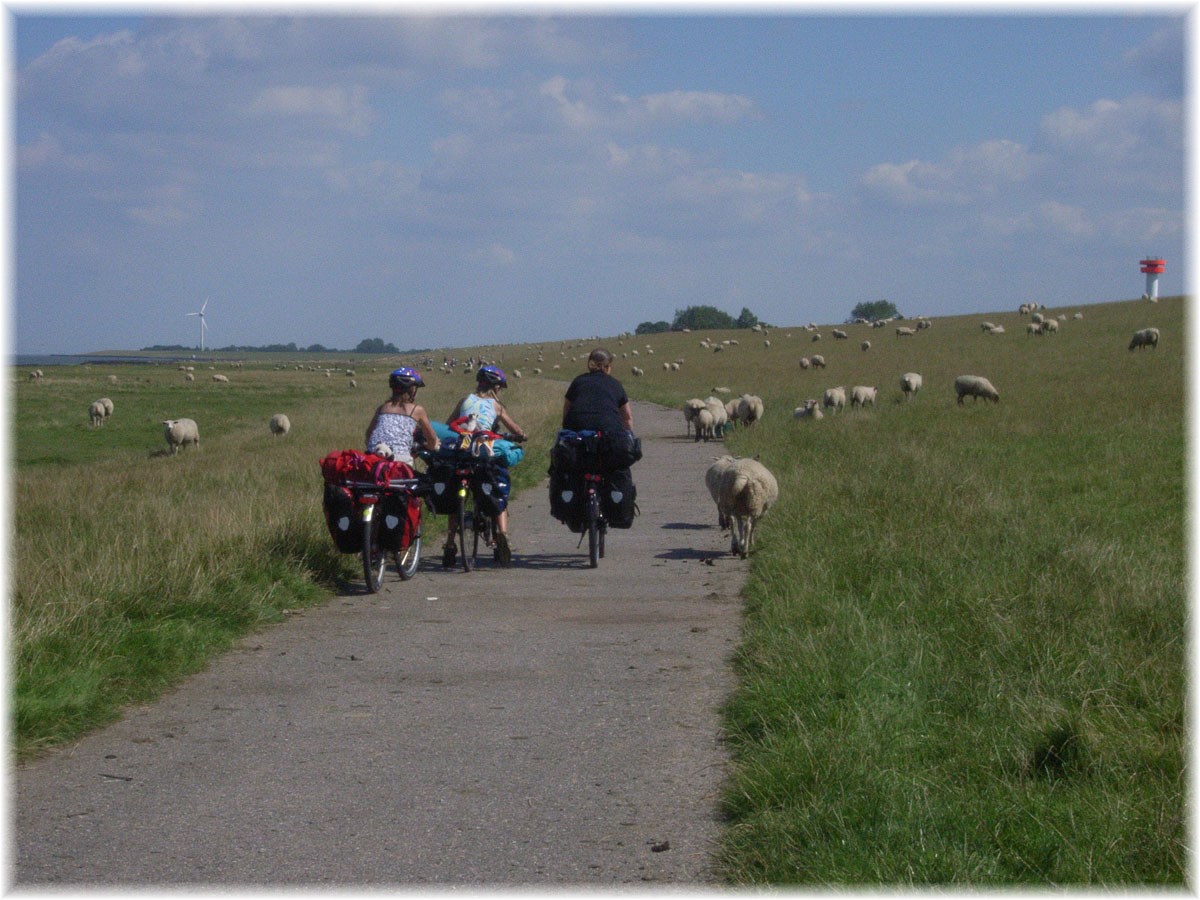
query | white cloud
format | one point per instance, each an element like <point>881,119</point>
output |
<point>344,109</point>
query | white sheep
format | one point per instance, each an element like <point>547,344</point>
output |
<point>1050,326</point>
<point>96,414</point>
<point>719,413</point>
<point>862,395</point>
<point>810,410</point>
<point>637,372</point>
<point>690,409</point>
<point>839,335</point>
<point>179,432</point>
<point>712,480</point>
<point>866,345</point>
<point>749,409</point>
<point>224,379</point>
<point>805,362</point>
<point>1033,328</point>
<point>747,491</point>
<point>108,406</point>
<point>279,425</point>
<point>1147,337</point>
<point>703,421</point>
<point>818,362</point>
<point>910,383</point>
<point>834,398</point>
<point>975,386</point>
<point>905,331</point>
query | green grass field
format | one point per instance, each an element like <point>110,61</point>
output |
<point>964,647</point>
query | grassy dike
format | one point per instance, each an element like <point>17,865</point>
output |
<point>964,648</point>
<point>132,568</point>
<point>964,652</point>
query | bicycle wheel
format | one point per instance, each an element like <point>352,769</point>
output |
<point>466,517</point>
<point>407,559</point>
<point>373,558</point>
<point>593,529</point>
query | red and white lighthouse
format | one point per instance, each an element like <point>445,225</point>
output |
<point>1152,267</point>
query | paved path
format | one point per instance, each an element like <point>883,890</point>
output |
<point>548,724</point>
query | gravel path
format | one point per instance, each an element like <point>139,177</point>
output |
<point>547,724</point>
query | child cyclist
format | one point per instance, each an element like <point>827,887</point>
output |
<point>484,408</point>
<point>396,420</point>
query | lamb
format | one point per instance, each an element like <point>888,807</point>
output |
<point>1147,337</point>
<point>805,362</point>
<point>719,413</point>
<point>279,425</point>
<point>975,386</point>
<point>910,383</point>
<point>637,372</point>
<point>712,480</point>
<point>861,395</point>
<point>750,409</point>
<point>1033,328</point>
<point>179,432</point>
<point>905,331</point>
<point>704,424</point>
<point>810,410</point>
<point>747,490</point>
<point>835,398</point>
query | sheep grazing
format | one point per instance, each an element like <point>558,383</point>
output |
<point>712,480</point>
<point>818,362</point>
<point>179,432</point>
<point>747,490</point>
<point>1147,337</point>
<point>705,424</point>
<point>861,395</point>
<point>1050,326</point>
<point>279,425</point>
<point>637,372</point>
<point>719,413</point>
<point>224,379</point>
<point>839,335</point>
<point>866,345</point>
<point>834,398</point>
<point>905,331</point>
<point>805,362</point>
<point>749,409</point>
<point>810,410</point>
<point>910,383</point>
<point>1033,328</point>
<point>975,386</point>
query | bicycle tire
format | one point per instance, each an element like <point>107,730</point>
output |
<point>467,560</point>
<point>408,559</point>
<point>374,560</point>
<point>593,526</point>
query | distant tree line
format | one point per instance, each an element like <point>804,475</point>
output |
<point>874,311</point>
<point>369,345</point>
<point>700,318</point>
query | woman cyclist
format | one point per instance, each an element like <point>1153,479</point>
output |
<point>396,420</point>
<point>484,411</point>
<point>596,400</point>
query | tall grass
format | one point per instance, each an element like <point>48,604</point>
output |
<point>964,649</point>
<point>132,567</point>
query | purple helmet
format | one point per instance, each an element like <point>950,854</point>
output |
<point>405,377</point>
<point>493,376</point>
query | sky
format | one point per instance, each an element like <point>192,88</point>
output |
<point>442,179</point>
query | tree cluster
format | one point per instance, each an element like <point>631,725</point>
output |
<point>699,318</point>
<point>875,310</point>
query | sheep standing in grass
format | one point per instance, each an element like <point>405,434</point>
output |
<point>719,413</point>
<point>179,432</point>
<point>222,379</point>
<point>866,345</point>
<point>818,361</point>
<point>805,362</point>
<point>975,386</point>
<point>749,409</point>
<point>1147,337</point>
<point>97,414</point>
<point>747,490</point>
<point>905,331</point>
<point>862,395</point>
<point>834,398</point>
<point>910,383</point>
<point>279,425</point>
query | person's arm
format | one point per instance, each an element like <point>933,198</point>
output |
<point>506,420</point>
<point>626,411</point>
<point>431,438</point>
<point>566,409</point>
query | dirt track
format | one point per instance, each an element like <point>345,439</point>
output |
<point>548,724</point>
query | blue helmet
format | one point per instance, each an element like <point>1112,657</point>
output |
<point>404,377</point>
<point>493,376</point>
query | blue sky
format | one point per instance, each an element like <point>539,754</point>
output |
<point>449,180</point>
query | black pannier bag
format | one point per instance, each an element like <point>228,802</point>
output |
<point>568,498</point>
<point>491,490</point>
<point>344,526</point>
<point>618,498</point>
<point>443,488</point>
<point>619,449</point>
<point>396,521</point>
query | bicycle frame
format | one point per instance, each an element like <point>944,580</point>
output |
<point>367,495</point>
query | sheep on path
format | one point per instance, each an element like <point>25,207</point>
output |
<point>834,398</point>
<point>704,423</point>
<point>712,480</point>
<point>1147,337</point>
<point>690,409</point>
<point>719,413</point>
<point>279,425</point>
<point>179,432</point>
<point>747,491</point>
<point>910,383</point>
<point>975,386</point>
<point>862,395</point>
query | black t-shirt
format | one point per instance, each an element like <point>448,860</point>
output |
<point>596,399</point>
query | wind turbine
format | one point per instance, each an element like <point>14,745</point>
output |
<point>203,324</point>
